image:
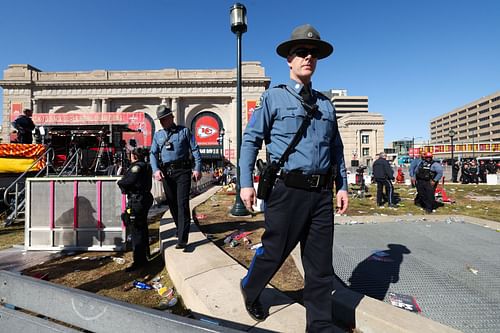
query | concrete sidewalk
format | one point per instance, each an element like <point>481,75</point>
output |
<point>208,280</point>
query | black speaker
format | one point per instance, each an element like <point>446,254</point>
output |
<point>354,163</point>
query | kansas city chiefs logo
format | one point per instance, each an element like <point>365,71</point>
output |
<point>205,131</point>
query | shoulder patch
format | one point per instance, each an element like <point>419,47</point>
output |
<point>135,169</point>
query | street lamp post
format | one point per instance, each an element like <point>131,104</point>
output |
<point>238,15</point>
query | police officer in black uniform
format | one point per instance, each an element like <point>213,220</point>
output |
<point>300,206</point>
<point>137,183</point>
<point>384,175</point>
<point>170,157</point>
<point>24,127</point>
<point>427,173</point>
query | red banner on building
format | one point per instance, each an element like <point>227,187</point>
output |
<point>206,131</point>
<point>250,109</point>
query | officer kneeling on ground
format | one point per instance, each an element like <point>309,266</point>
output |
<point>427,174</point>
<point>137,183</point>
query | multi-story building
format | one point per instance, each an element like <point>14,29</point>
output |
<point>474,128</point>
<point>478,121</point>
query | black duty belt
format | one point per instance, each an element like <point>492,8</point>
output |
<point>306,182</point>
<point>179,164</point>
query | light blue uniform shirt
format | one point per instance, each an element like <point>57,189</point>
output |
<point>275,122</point>
<point>435,167</point>
<point>183,144</point>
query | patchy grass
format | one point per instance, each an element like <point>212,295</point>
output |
<point>11,235</point>
<point>480,201</point>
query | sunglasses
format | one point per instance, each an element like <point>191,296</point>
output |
<point>304,52</point>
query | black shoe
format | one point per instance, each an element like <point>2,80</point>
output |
<point>254,309</point>
<point>180,246</point>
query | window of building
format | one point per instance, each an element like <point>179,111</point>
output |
<point>366,151</point>
<point>365,139</point>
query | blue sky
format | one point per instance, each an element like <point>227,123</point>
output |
<point>414,60</point>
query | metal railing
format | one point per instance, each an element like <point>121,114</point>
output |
<point>14,189</point>
<point>73,162</point>
<point>28,304</point>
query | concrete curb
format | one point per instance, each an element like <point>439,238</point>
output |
<point>370,315</point>
<point>208,281</point>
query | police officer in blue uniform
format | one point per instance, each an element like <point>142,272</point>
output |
<point>137,183</point>
<point>426,173</point>
<point>170,157</point>
<point>300,205</point>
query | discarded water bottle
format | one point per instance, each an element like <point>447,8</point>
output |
<point>142,285</point>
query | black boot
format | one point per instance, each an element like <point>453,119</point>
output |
<point>255,308</point>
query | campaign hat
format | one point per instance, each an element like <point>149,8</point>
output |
<point>305,35</point>
<point>162,111</point>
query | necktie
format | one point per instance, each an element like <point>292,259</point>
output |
<point>306,95</point>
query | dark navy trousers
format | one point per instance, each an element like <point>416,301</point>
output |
<point>177,185</point>
<point>291,216</point>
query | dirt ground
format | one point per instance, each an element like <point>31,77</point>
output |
<point>214,220</point>
<point>103,274</point>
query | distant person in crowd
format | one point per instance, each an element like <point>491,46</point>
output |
<point>384,175</point>
<point>24,127</point>
<point>137,183</point>
<point>466,176</point>
<point>299,207</point>
<point>474,172</point>
<point>483,171</point>
<point>171,152</point>
<point>455,168</point>
<point>427,173</point>
<point>491,167</point>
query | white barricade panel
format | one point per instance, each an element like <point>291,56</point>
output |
<point>79,213</point>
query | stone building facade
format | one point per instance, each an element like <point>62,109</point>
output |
<point>101,96</point>
<point>203,100</point>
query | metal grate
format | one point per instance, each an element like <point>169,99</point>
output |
<point>437,271</point>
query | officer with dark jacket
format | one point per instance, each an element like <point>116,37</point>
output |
<point>24,127</point>
<point>137,183</point>
<point>170,157</point>
<point>427,174</point>
<point>299,208</point>
<point>384,175</point>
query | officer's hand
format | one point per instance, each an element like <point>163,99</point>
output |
<point>158,175</point>
<point>196,175</point>
<point>342,201</point>
<point>413,181</point>
<point>248,196</point>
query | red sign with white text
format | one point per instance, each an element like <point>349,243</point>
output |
<point>136,121</point>
<point>206,131</point>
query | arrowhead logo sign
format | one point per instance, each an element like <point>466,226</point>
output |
<point>205,131</point>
